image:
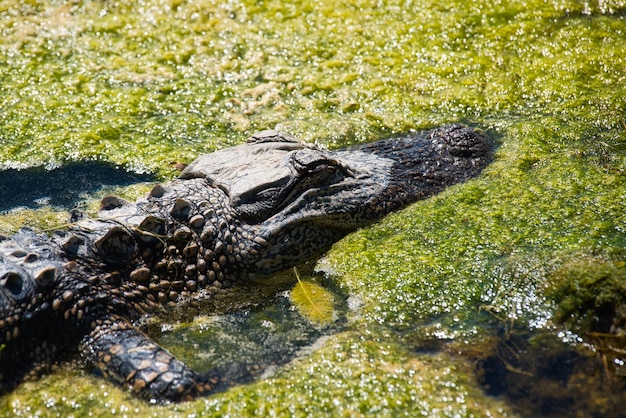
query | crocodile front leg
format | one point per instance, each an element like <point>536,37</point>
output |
<point>127,356</point>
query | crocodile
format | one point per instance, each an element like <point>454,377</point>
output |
<point>232,217</point>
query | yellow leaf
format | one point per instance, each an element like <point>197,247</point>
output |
<point>313,301</point>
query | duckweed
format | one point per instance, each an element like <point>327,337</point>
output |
<point>478,281</point>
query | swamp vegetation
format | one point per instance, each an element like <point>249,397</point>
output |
<point>503,296</point>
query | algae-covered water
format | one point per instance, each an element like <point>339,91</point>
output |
<point>503,296</point>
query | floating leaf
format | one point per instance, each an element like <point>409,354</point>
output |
<point>313,301</point>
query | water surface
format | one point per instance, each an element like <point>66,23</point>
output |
<point>477,302</point>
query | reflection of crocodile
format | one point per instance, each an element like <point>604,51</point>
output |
<point>235,215</point>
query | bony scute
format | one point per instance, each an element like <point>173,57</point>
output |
<point>236,215</point>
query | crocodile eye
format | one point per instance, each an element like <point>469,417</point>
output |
<point>13,282</point>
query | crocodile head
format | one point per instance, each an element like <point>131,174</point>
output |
<point>302,199</point>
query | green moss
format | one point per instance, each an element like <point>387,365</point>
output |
<point>591,297</point>
<point>353,377</point>
<point>39,220</point>
<point>346,376</point>
<point>145,84</point>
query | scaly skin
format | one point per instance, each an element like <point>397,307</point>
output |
<point>232,216</point>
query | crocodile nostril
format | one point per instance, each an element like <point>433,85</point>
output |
<point>13,282</point>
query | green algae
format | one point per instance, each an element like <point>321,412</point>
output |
<point>45,219</point>
<point>590,297</point>
<point>348,375</point>
<point>40,220</point>
<point>475,270</point>
<point>594,287</point>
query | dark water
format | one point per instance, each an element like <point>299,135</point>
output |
<point>61,188</point>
